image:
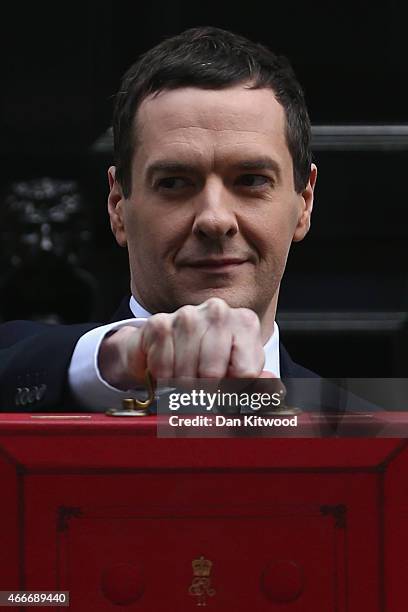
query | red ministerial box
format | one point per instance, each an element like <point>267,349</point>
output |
<point>104,509</point>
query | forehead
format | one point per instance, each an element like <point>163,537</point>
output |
<point>200,122</point>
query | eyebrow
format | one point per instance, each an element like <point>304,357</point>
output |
<point>171,166</point>
<point>168,166</point>
<point>260,163</point>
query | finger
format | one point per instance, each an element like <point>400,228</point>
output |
<point>157,343</point>
<point>247,355</point>
<point>121,361</point>
<point>216,343</point>
<point>188,327</point>
<point>267,374</point>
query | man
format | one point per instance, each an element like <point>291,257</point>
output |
<point>213,181</point>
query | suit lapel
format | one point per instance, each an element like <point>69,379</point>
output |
<point>123,312</point>
<point>290,369</point>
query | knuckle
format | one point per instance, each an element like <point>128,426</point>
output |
<point>217,309</point>
<point>249,319</point>
<point>186,318</point>
<point>159,326</point>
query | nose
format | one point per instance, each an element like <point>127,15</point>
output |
<point>215,216</point>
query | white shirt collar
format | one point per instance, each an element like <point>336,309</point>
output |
<point>271,348</point>
<point>137,309</point>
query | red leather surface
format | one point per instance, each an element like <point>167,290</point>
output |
<point>104,509</point>
<point>395,530</point>
<point>10,509</point>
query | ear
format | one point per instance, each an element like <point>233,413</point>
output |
<point>115,208</point>
<point>305,213</point>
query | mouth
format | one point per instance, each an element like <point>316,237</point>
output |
<point>218,265</point>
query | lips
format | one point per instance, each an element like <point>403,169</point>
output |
<point>216,263</point>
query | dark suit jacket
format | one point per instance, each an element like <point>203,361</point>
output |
<point>35,357</point>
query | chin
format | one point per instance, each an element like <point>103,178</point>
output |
<point>234,298</point>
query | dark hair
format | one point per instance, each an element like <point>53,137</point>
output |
<point>210,58</point>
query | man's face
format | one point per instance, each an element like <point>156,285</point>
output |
<point>213,209</point>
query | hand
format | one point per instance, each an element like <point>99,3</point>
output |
<point>211,340</point>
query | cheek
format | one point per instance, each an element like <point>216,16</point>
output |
<point>282,223</point>
<point>156,235</point>
<point>140,226</point>
<point>272,234</point>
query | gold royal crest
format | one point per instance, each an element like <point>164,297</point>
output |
<point>201,585</point>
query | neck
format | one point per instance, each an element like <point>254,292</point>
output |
<point>268,320</point>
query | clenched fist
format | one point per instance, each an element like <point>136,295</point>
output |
<point>211,340</point>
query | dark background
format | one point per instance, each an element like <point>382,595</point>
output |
<point>60,67</point>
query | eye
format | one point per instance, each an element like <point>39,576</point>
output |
<point>253,180</point>
<point>173,183</point>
